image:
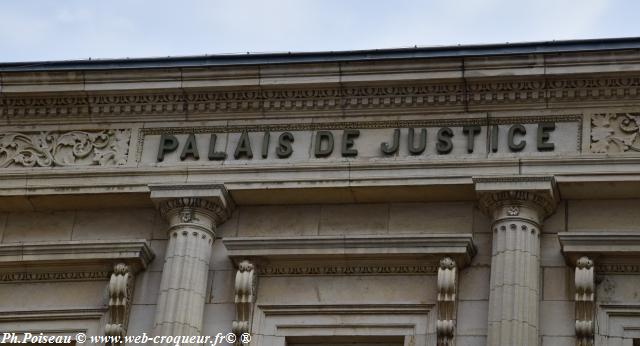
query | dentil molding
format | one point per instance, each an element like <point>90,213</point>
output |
<point>459,95</point>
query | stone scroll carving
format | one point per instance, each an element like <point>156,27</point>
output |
<point>585,301</point>
<point>64,148</point>
<point>615,132</point>
<point>245,294</point>
<point>447,282</point>
<point>120,295</point>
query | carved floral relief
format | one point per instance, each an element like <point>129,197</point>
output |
<point>615,132</point>
<point>64,148</point>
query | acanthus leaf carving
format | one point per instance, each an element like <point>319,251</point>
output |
<point>64,148</point>
<point>613,133</point>
<point>447,287</point>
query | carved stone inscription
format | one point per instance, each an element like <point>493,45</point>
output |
<point>472,139</point>
<point>64,148</point>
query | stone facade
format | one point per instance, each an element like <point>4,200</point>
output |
<point>452,196</point>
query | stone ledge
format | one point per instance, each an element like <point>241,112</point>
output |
<point>55,315</point>
<point>427,248</point>
<point>607,249</point>
<point>73,256</point>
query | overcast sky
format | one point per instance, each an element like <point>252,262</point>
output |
<point>33,30</point>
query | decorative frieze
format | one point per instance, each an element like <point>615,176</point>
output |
<point>313,269</point>
<point>584,301</point>
<point>614,133</point>
<point>120,296</point>
<point>447,288</point>
<point>64,148</point>
<point>245,296</point>
<point>435,96</point>
<point>12,277</point>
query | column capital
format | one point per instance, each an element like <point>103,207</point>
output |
<point>530,197</point>
<point>178,203</point>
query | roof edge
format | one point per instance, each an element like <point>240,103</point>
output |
<point>541,47</point>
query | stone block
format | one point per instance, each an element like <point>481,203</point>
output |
<point>146,288</point>
<point>219,257</point>
<point>343,219</point>
<point>619,289</point>
<point>159,248</point>
<point>550,251</point>
<point>297,220</point>
<point>474,283</point>
<point>114,224</point>
<point>229,228</point>
<point>481,223</point>
<point>557,221</point>
<point>347,289</point>
<point>558,341</point>
<point>483,242</point>
<point>218,318</point>
<point>59,295</point>
<point>456,217</point>
<point>222,290</point>
<point>141,319</point>
<point>38,226</point>
<point>472,318</point>
<point>599,215</point>
<point>160,227</point>
<point>463,340</point>
<point>556,284</point>
<point>557,318</point>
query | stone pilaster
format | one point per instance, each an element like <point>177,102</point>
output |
<point>193,212</point>
<point>517,207</point>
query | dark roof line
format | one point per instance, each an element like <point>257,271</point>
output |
<point>608,44</point>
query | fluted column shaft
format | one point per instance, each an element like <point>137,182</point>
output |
<point>192,222</point>
<point>517,206</point>
<point>515,270</point>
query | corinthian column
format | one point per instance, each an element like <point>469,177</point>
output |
<point>517,207</point>
<point>193,212</point>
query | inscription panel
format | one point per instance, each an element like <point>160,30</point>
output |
<point>473,138</point>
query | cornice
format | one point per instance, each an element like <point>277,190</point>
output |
<point>577,176</point>
<point>611,251</point>
<point>429,247</point>
<point>74,256</point>
<point>329,99</point>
